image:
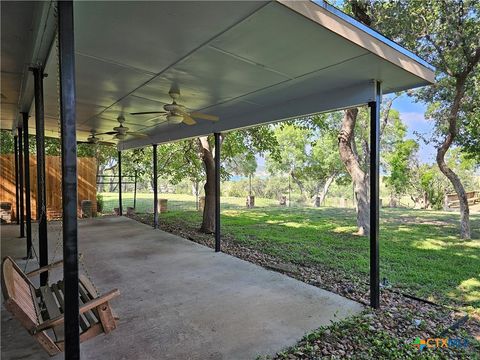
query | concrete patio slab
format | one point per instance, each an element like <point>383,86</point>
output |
<point>180,300</point>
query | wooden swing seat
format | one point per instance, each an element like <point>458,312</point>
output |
<point>40,310</point>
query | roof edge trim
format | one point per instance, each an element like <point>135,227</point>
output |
<point>344,25</point>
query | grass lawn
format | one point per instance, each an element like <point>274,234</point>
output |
<point>420,250</point>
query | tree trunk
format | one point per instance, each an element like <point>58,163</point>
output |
<point>298,182</point>
<point>208,222</point>
<point>326,186</point>
<point>195,190</point>
<point>346,144</point>
<point>250,185</point>
<point>442,150</point>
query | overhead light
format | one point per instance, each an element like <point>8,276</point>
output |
<point>175,119</point>
<point>120,136</point>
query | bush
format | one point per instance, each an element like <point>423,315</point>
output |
<point>100,203</point>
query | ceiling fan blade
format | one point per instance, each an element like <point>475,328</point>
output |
<point>108,133</point>
<point>148,112</point>
<point>187,119</point>
<point>137,134</point>
<point>156,117</point>
<point>204,116</point>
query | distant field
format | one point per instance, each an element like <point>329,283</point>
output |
<point>420,250</point>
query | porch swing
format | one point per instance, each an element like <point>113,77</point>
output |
<point>40,310</point>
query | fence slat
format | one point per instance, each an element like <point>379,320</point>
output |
<point>87,189</point>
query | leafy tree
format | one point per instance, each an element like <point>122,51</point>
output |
<point>431,186</point>
<point>6,142</point>
<point>307,154</point>
<point>354,149</point>
<point>293,146</point>
<point>446,34</point>
<point>243,165</point>
<point>258,140</point>
<point>399,162</point>
<point>469,133</point>
<point>324,165</point>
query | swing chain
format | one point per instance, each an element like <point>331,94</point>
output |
<point>85,271</point>
<point>59,243</point>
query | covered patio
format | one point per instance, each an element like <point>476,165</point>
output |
<point>155,72</point>
<point>181,300</point>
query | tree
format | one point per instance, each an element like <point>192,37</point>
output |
<point>324,165</point>
<point>306,154</point>
<point>446,34</point>
<point>293,147</point>
<point>469,132</point>
<point>399,163</point>
<point>348,154</point>
<point>243,165</point>
<point>354,134</point>
<point>354,149</point>
<point>255,140</point>
<point>6,142</point>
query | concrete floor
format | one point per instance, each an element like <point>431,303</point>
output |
<point>180,300</point>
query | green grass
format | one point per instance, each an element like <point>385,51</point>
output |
<point>175,202</point>
<point>420,251</point>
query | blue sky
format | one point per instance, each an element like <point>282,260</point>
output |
<point>412,115</point>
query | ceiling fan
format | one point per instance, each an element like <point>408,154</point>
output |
<point>94,140</point>
<point>177,113</point>
<point>121,132</point>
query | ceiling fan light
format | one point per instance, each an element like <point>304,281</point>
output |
<point>120,136</point>
<point>175,119</point>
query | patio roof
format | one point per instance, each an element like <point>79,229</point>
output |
<point>247,62</point>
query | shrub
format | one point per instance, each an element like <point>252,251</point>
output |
<point>100,203</point>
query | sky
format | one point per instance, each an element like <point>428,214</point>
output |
<point>412,115</point>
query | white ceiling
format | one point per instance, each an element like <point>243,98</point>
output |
<point>16,20</point>
<point>247,62</point>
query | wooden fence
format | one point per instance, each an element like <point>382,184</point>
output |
<point>452,201</point>
<point>87,187</point>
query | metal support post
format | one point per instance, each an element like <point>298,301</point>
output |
<point>69,178</point>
